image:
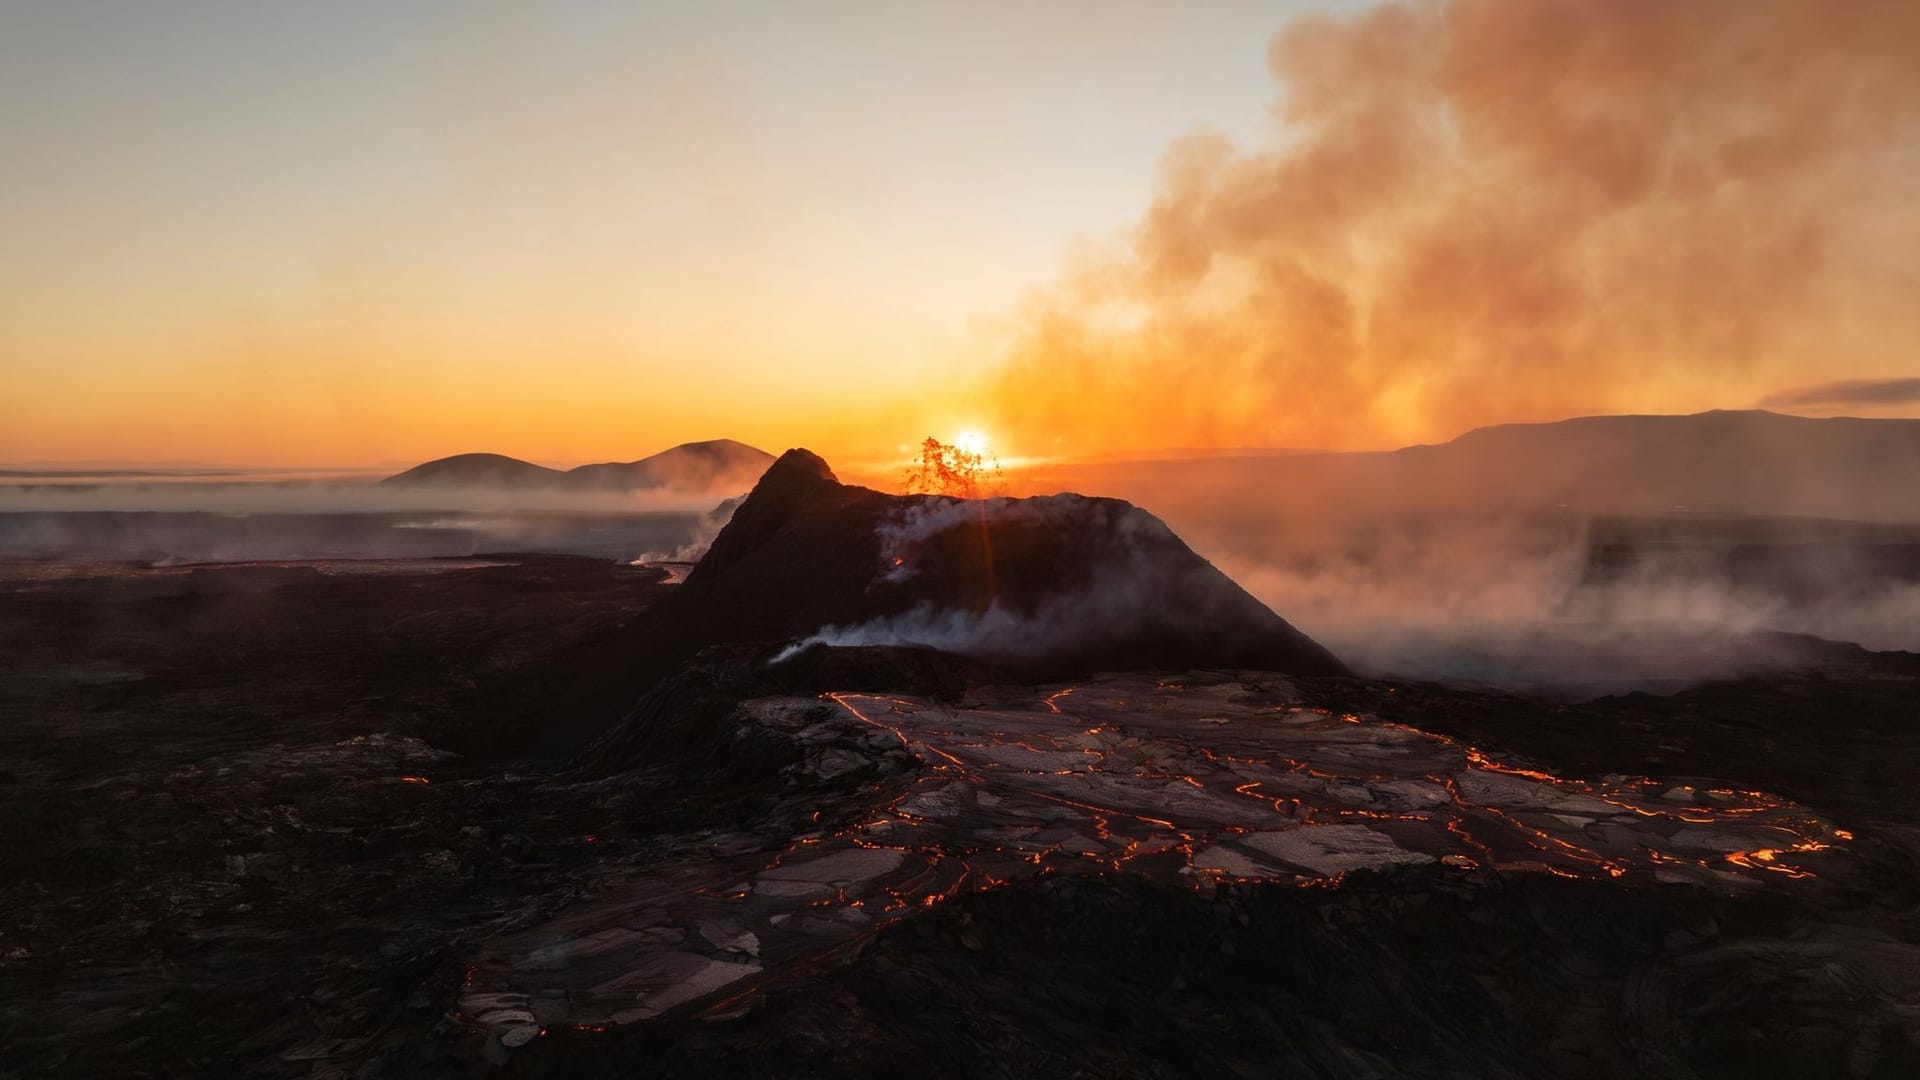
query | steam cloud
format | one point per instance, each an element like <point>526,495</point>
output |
<point>1127,582</point>
<point>998,632</point>
<point>1487,210</point>
<point>705,528</point>
<point>1563,602</point>
<point>923,520</point>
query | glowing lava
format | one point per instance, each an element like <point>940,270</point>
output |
<point>1202,780</point>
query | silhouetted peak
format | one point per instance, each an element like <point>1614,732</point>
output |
<point>796,465</point>
<point>797,478</point>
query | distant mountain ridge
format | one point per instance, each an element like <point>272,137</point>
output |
<point>712,466</point>
<point>1720,462</point>
<point>1723,461</point>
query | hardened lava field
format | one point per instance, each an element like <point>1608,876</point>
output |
<point>1195,781</point>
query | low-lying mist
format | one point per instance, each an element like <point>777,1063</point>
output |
<point>172,538</point>
<point>1565,600</point>
<point>1599,554</point>
<point>1452,585</point>
<point>328,496</point>
<point>182,520</point>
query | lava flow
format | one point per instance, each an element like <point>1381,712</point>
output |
<point>1203,781</point>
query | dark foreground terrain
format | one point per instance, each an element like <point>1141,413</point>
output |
<point>315,819</point>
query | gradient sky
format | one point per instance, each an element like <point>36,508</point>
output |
<point>343,233</point>
<point>357,233</point>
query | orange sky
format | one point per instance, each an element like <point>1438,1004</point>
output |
<point>332,238</point>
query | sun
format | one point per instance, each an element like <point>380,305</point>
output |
<point>973,442</point>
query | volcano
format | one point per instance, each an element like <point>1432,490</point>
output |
<point>1054,585</point>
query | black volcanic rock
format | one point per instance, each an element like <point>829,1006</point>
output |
<point>255,819</point>
<point>1053,585</point>
<point>798,480</point>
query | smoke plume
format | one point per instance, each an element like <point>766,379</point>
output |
<point>1475,211</point>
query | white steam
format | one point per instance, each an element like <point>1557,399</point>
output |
<point>705,529</point>
<point>1125,586</point>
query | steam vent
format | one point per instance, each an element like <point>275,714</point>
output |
<point>1043,587</point>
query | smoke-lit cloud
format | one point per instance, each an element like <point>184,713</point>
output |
<point>1484,210</point>
<point>1847,392</point>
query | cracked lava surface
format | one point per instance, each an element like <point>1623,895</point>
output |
<point>1202,779</point>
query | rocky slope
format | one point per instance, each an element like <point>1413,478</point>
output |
<point>1055,585</point>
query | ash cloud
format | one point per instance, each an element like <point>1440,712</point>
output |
<point>1484,210</point>
<point>1480,211</point>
